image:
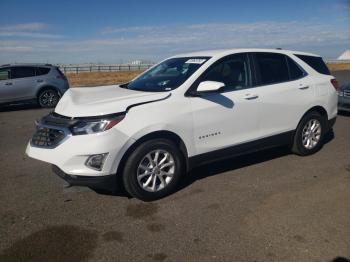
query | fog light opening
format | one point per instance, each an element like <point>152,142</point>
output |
<point>96,161</point>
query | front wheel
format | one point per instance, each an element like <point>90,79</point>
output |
<point>308,138</point>
<point>153,170</point>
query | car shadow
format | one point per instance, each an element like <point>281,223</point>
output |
<point>218,167</point>
<point>344,113</point>
<point>340,259</point>
<point>238,162</point>
<point>18,107</point>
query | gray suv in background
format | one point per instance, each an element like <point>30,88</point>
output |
<point>344,98</point>
<point>41,83</point>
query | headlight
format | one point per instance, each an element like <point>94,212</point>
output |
<point>92,126</point>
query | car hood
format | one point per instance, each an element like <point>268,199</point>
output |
<point>103,100</point>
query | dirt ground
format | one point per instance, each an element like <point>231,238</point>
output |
<point>101,78</point>
<point>110,78</point>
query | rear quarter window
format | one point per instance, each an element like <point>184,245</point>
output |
<point>316,63</point>
<point>42,71</point>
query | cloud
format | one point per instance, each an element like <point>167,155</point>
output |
<point>28,30</point>
<point>156,42</point>
<point>24,27</point>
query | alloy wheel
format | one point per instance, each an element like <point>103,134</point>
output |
<point>156,170</point>
<point>311,134</point>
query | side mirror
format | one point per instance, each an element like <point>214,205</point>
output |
<point>210,86</point>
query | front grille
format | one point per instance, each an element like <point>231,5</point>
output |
<point>47,137</point>
<point>347,93</point>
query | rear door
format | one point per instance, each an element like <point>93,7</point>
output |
<point>24,82</point>
<point>286,92</point>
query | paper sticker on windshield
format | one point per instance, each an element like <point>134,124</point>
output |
<point>198,61</point>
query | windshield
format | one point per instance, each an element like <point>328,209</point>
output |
<point>167,75</point>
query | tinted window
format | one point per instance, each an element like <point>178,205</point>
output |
<point>42,71</point>
<point>294,70</point>
<point>4,73</point>
<point>316,63</point>
<point>232,71</point>
<point>273,68</point>
<point>22,71</point>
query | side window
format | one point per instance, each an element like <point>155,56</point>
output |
<point>22,72</point>
<point>273,68</point>
<point>233,71</point>
<point>4,74</point>
<point>316,63</point>
<point>42,71</point>
<point>294,70</point>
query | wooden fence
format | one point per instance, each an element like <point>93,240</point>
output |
<point>103,68</point>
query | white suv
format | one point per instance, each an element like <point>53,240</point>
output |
<point>188,110</point>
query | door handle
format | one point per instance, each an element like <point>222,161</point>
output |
<point>303,87</point>
<point>8,84</point>
<point>250,97</point>
<point>39,81</point>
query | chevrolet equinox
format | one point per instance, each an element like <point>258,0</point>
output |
<point>185,111</point>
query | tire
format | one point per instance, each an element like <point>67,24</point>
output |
<point>308,138</point>
<point>48,98</point>
<point>142,176</point>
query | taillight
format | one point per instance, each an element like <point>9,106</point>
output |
<point>62,77</point>
<point>335,83</point>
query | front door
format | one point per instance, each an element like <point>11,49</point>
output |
<point>230,117</point>
<point>6,86</point>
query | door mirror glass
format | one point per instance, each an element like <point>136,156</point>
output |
<point>210,86</point>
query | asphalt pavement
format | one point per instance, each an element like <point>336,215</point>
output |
<point>266,206</point>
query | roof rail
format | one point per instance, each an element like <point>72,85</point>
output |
<point>27,64</point>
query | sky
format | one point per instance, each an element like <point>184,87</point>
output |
<point>103,31</point>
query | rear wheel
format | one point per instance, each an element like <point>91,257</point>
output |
<point>48,98</point>
<point>153,170</point>
<point>308,138</point>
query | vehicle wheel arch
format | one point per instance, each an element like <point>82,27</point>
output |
<point>319,109</point>
<point>47,87</point>
<point>165,134</point>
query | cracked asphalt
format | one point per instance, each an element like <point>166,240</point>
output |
<point>266,206</point>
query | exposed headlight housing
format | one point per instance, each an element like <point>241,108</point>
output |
<point>92,126</point>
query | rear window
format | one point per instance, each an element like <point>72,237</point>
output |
<point>42,71</point>
<point>273,68</point>
<point>316,63</point>
<point>22,72</point>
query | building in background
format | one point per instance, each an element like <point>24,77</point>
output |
<point>345,55</point>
